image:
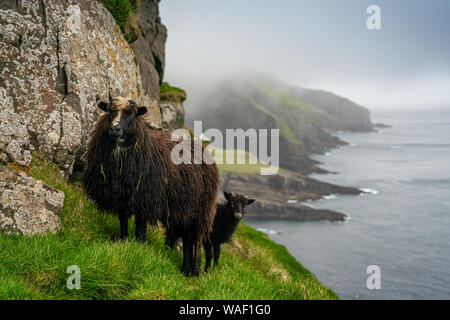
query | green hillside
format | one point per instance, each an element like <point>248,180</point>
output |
<point>252,265</point>
<point>306,118</point>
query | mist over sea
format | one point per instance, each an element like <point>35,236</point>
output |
<point>402,225</point>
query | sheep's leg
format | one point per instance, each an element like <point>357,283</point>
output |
<point>187,256</point>
<point>171,240</point>
<point>208,255</point>
<point>123,219</point>
<point>197,258</point>
<point>216,254</point>
<point>141,228</point>
<point>123,226</point>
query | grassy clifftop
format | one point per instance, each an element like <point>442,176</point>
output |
<point>168,92</point>
<point>252,266</point>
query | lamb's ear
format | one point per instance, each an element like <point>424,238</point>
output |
<point>250,201</point>
<point>103,105</point>
<point>141,111</point>
<point>227,195</point>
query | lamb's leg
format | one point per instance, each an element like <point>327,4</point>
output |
<point>187,256</point>
<point>197,258</point>
<point>208,255</point>
<point>216,254</point>
<point>141,228</point>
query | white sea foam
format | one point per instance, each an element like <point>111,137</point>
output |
<point>329,197</point>
<point>268,231</point>
<point>308,203</point>
<point>368,190</point>
<point>292,201</point>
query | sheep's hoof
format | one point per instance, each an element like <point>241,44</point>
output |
<point>186,273</point>
<point>195,272</point>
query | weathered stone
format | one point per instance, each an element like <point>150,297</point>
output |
<point>28,206</point>
<point>150,47</point>
<point>172,114</point>
<point>57,59</point>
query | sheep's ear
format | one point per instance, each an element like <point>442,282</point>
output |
<point>227,195</point>
<point>103,105</point>
<point>141,111</point>
<point>250,201</point>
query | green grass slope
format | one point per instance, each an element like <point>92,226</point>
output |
<point>252,266</point>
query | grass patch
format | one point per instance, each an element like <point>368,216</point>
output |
<point>167,92</point>
<point>284,128</point>
<point>34,267</point>
<point>248,167</point>
<point>125,14</point>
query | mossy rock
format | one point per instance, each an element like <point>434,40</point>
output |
<point>169,93</point>
<point>125,14</point>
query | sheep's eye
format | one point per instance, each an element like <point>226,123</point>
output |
<point>130,116</point>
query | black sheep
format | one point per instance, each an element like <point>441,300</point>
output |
<point>227,218</point>
<point>129,171</point>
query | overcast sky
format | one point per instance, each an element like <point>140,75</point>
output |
<point>322,44</point>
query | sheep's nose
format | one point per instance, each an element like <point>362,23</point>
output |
<point>116,130</point>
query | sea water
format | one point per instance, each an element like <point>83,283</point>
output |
<point>402,221</point>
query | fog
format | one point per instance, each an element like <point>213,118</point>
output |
<point>316,44</point>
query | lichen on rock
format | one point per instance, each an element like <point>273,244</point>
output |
<point>58,58</point>
<point>28,206</point>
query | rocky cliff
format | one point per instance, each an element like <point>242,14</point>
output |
<point>306,118</point>
<point>57,59</point>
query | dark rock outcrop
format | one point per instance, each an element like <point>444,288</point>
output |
<point>275,194</point>
<point>271,210</point>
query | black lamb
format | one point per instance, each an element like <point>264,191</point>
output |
<point>227,218</point>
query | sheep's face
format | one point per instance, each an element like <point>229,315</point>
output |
<point>238,203</point>
<point>121,115</point>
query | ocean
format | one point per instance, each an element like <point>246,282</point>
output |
<point>401,225</point>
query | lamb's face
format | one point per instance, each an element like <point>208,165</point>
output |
<point>238,203</point>
<point>121,115</point>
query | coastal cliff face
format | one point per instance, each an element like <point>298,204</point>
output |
<point>306,118</point>
<point>57,59</point>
